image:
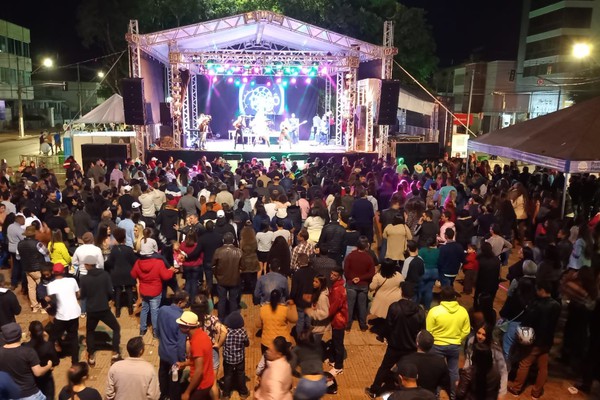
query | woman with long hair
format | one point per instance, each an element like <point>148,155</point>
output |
<point>276,319</point>
<point>397,235</point>
<point>481,380</point>
<point>319,310</point>
<point>488,275</point>
<point>483,335</point>
<point>249,263</point>
<point>138,235</point>
<point>59,254</point>
<point>76,388</point>
<point>103,240</point>
<point>260,216</point>
<point>314,225</point>
<point>264,240</point>
<point>38,341</point>
<point>430,255</point>
<point>276,379</point>
<point>119,264</point>
<point>519,198</point>
<point>281,250</point>
<point>385,289</point>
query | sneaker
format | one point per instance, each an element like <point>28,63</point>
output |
<point>370,393</point>
<point>91,360</point>
<point>115,358</point>
<point>335,372</point>
<point>143,333</point>
<point>512,392</point>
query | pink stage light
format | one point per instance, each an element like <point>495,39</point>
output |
<point>245,80</point>
<point>215,79</point>
<point>230,80</point>
<point>256,70</point>
<point>211,72</point>
<point>324,71</point>
<point>278,80</point>
<point>308,81</point>
<point>269,83</point>
<point>293,81</point>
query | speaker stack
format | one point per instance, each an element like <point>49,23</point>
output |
<point>388,102</point>
<point>134,106</point>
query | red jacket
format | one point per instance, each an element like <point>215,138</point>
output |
<point>471,262</point>
<point>151,272</point>
<point>338,305</point>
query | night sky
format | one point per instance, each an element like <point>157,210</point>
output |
<point>461,27</point>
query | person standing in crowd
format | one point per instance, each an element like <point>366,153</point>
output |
<point>331,239</point>
<point>226,266</point>
<point>449,325</point>
<point>301,292</point>
<point>46,353</point>
<point>409,375</point>
<point>363,213</point>
<point>97,289</point>
<point>481,379</point>
<point>275,319</point>
<point>338,313</point>
<point>451,258</point>
<point>119,264</point>
<point>15,235</point>
<point>488,274</point>
<point>359,269</point>
<point>9,304</point>
<point>397,235</point>
<point>404,321</point>
<point>413,268</point>
<point>542,315</point>
<point>202,375</point>
<point>133,377</point>
<point>64,291</point>
<point>21,363</point>
<point>171,346</point>
<point>319,310</point>
<point>385,290</point>
<point>234,356</point>
<point>276,380</point>
<point>33,255</point>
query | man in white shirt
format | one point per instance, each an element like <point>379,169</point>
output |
<point>65,292</point>
<point>147,202</point>
<point>87,248</point>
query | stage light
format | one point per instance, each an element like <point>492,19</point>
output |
<point>305,70</point>
<point>220,69</point>
<point>268,69</point>
<point>278,80</point>
<point>295,72</point>
<point>269,83</point>
<point>257,70</point>
<point>324,71</point>
<point>285,83</point>
<point>293,81</point>
<point>237,83</point>
<point>211,72</point>
<point>308,81</point>
<point>215,79</point>
<point>230,80</point>
<point>252,83</point>
<point>287,70</point>
<point>245,80</point>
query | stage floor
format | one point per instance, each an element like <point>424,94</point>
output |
<point>303,146</point>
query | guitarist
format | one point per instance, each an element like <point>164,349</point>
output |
<point>294,124</point>
<point>284,134</point>
<point>238,124</point>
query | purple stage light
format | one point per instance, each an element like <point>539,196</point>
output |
<point>269,83</point>
<point>215,79</point>
<point>256,70</point>
<point>245,80</point>
<point>308,81</point>
<point>324,71</point>
<point>293,81</point>
<point>278,80</point>
<point>230,80</point>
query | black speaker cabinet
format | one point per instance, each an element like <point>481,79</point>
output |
<point>165,114</point>
<point>133,101</point>
<point>388,102</point>
<point>415,152</point>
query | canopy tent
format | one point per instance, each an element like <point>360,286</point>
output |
<point>110,111</point>
<point>567,140</point>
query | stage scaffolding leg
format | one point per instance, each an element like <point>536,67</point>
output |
<point>185,115</point>
<point>176,104</point>
<point>193,100</point>
<point>351,105</point>
<point>386,73</point>
<point>340,103</point>
<point>135,71</point>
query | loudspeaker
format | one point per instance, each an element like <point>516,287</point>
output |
<point>165,131</point>
<point>165,114</point>
<point>388,102</point>
<point>149,116</point>
<point>110,153</point>
<point>133,101</point>
<point>417,152</point>
<point>360,128</point>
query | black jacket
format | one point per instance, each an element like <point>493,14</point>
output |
<point>331,239</point>
<point>96,287</point>
<point>428,230</point>
<point>404,320</point>
<point>31,258</point>
<point>488,276</point>
<point>9,307</point>
<point>119,264</point>
<point>466,385</point>
<point>302,284</point>
<point>542,315</point>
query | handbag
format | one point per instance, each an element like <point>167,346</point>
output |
<point>377,290</point>
<point>502,325</point>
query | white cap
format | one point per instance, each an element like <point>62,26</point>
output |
<point>135,204</point>
<point>127,187</point>
<point>220,214</point>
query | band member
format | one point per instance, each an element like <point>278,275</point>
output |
<point>284,135</point>
<point>294,124</point>
<point>260,128</point>
<point>316,127</point>
<point>203,127</point>
<point>238,124</point>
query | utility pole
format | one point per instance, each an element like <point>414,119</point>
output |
<point>20,101</point>
<point>79,90</point>
<point>470,100</point>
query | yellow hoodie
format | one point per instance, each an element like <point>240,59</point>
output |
<point>448,323</point>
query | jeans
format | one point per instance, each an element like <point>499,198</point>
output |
<point>383,249</point>
<point>357,295</point>
<point>37,396</point>
<point>150,304</point>
<point>303,322</point>
<point>508,339</point>
<point>192,276</point>
<point>168,388</point>
<point>228,295</point>
<point>308,389</point>
<point>537,355</point>
<point>71,327</point>
<point>337,336</point>
<point>208,276</point>
<point>234,378</point>
<point>16,275</point>
<point>447,280</point>
<point>426,287</point>
<point>110,320</point>
<point>450,353</point>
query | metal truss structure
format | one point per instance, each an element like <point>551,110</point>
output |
<point>363,99</point>
<point>135,71</point>
<point>258,39</point>
<point>386,73</point>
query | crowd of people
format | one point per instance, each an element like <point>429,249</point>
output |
<point>314,249</point>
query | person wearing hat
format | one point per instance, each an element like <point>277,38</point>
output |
<point>275,185</point>
<point>202,375</point>
<point>408,375</point>
<point>33,255</point>
<point>126,200</point>
<point>242,193</point>
<point>234,356</point>
<point>449,324</point>
<point>21,363</point>
<point>64,291</point>
<point>88,248</point>
<point>224,196</point>
<point>97,290</point>
<point>222,226</point>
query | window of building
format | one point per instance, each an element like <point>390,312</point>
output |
<point>537,4</point>
<point>11,45</point>
<point>580,18</point>
<point>459,80</point>
<point>3,44</point>
<point>547,69</point>
<point>26,52</point>
<point>558,45</point>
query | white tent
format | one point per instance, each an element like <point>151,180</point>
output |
<point>110,111</point>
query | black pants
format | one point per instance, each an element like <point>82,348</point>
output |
<point>337,336</point>
<point>234,378</point>
<point>168,388</point>
<point>248,282</point>
<point>390,358</point>
<point>71,327</point>
<point>118,297</point>
<point>201,394</point>
<point>110,320</point>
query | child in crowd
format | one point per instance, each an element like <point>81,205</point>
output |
<point>234,356</point>
<point>470,268</point>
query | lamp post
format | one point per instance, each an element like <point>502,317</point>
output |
<point>47,63</point>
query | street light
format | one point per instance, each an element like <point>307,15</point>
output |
<point>47,63</point>
<point>582,50</point>
<point>100,74</point>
